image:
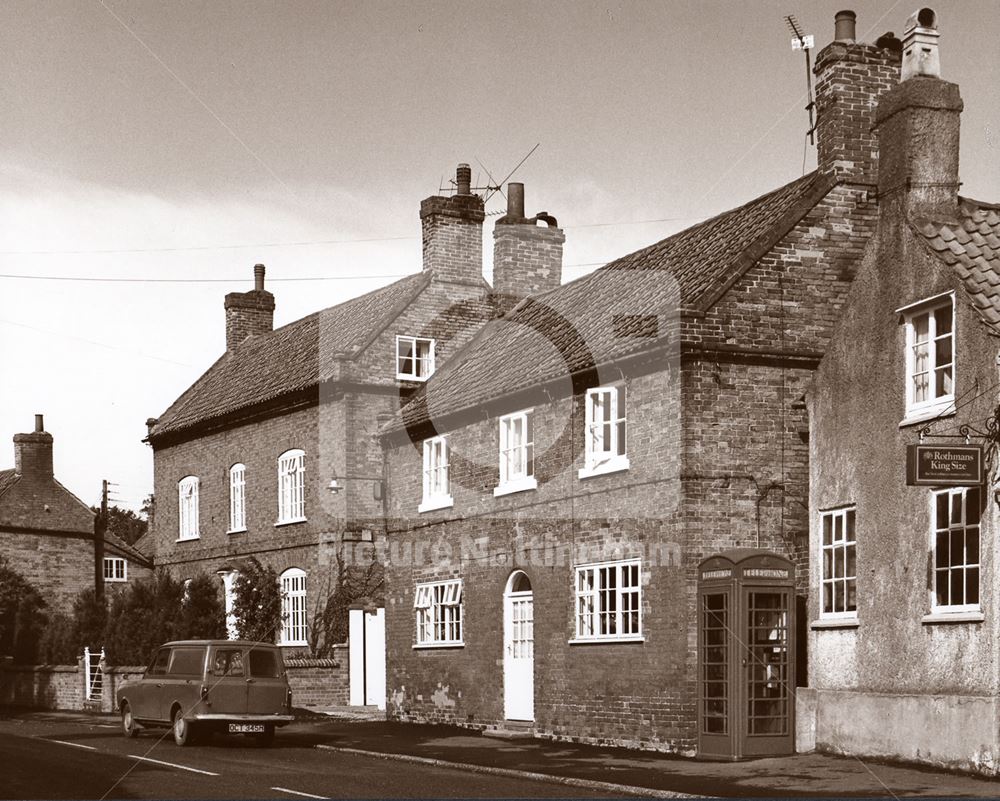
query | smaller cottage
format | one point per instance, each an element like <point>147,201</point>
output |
<point>48,535</point>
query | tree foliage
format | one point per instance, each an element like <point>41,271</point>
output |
<point>125,523</point>
<point>22,615</point>
<point>157,610</point>
<point>257,602</point>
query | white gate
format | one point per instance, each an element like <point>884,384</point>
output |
<point>519,649</point>
<point>93,674</point>
<point>367,657</point>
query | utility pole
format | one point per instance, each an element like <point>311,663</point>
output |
<point>100,528</point>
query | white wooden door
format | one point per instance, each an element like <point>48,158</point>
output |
<point>519,651</point>
<point>367,657</point>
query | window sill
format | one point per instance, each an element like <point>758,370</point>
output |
<point>237,530</point>
<point>615,465</point>
<point>291,522</point>
<point>188,539</point>
<point>835,623</point>
<point>953,617</point>
<point>294,644</point>
<point>915,416</point>
<point>414,378</point>
<point>424,646</point>
<point>605,640</point>
<point>440,502</point>
<point>115,581</point>
<point>520,485</point>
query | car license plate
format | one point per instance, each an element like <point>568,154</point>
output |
<point>246,728</point>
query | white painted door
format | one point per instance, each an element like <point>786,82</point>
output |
<point>366,640</point>
<point>519,650</point>
<point>375,658</point>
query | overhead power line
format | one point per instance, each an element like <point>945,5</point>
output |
<point>243,279</point>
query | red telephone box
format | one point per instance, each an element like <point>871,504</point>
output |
<point>746,655</point>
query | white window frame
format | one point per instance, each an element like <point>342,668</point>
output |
<point>428,361</point>
<point>953,527</point>
<point>934,405</point>
<point>516,461</point>
<point>436,474</point>
<point>439,614</point>
<point>294,608</point>
<point>187,509</point>
<point>291,487</point>
<point>237,498</point>
<point>843,542</point>
<point>605,431</point>
<point>111,569</point>
<point>591,604</point>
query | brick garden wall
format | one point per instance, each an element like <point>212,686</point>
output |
<point>320,682</point>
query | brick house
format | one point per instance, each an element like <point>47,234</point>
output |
<point>903,578</point>
<point>554,487</point>
<point>48,535</point>
<point>245,459</point>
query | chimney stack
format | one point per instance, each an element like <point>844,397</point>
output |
<point>850,78</point>
<point>249,313</point>
<point>452,229</point>
<point>918,126</point>
<point>527,258</point>
<point>33,452</point>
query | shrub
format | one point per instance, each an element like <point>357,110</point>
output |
<point>257,602</point>
<point>57,644</point>
<point>22,616</point>
<point>203,614</point>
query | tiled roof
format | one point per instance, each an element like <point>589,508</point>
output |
<point>609,313</point>
<point>7,479</point>
<point>972,247</point>
<point>286,360</point>
<point>129,551</point>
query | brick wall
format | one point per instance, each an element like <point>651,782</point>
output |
<point>41,687</point>
<point>58,566</point>
<point>319,682</point>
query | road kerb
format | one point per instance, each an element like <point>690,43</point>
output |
<point>571,781</point>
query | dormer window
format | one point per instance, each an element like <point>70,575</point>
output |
<point>414,358</point>
<point>930,357</point>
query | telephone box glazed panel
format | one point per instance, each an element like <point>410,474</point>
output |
<point>746,647</point>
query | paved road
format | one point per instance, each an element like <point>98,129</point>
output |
<point>54,760</point>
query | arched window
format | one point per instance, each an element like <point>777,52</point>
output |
<point>291,486</point>
<point>237,498</point>
<point>187,500</point>
<point>294,621</point>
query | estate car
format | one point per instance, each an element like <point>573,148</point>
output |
<point>197,687</point>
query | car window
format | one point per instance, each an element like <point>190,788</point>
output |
<point>187,662</point>
<point>264,664</point>
<point>228,662</point>
<point>159,665</point>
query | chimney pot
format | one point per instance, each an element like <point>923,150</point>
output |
<point>463,178</point>
<point>920,45</point>
<point>258,277</point>
<point>515,200</point>
<point>39,423</point>
<point>845,26</point>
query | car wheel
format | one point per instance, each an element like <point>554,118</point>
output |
<point>184,731</point>
<point>266,738</point>
<point>129,725</point>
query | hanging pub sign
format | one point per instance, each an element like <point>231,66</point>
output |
<point>944,465</point>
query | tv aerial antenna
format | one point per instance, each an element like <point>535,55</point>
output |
<point>805,43</point>
<point>492,186</point>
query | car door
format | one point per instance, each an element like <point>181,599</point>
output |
<point>147,698</point>
<point>267,685</point>
<point>227,681</point>
<point>182,684</point>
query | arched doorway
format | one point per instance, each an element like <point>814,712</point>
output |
<point>519,648</point>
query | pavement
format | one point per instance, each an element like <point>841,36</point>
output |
<point>617,771</point>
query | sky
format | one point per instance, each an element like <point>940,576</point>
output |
<point>172,145</point>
